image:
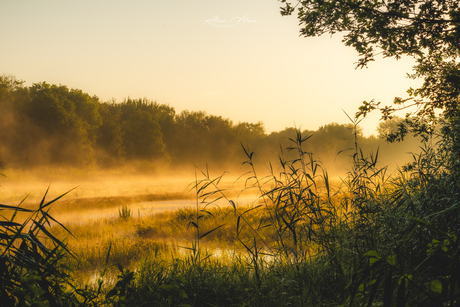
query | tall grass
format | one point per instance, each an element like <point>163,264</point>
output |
<point>375,240</point>
<point>31,266</point>
<point>124,212</point>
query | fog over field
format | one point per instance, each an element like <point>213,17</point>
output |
<point>61,137</point>
<point>201,153</point>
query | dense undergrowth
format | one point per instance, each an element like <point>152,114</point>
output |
<point>378,240</point>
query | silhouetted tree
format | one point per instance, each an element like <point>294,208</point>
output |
<point>142,135</point>
<point>111,150</point>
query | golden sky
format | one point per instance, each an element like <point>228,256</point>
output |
<point>238,59</point>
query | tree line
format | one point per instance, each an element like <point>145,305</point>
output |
<point>48,124</point>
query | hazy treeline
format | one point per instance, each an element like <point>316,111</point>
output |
<point>51,124</point>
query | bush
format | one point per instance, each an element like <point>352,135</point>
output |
<point>31,261</point>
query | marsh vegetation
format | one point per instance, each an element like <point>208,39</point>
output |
<point>296,229</point>
<point>292,237</point>
<point>283,226</point>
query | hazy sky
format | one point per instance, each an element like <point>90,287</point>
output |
<point>238,59</point>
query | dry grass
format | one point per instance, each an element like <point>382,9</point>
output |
<point>164,233</point>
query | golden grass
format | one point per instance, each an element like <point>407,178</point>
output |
<point>152,228</point>
<point>166,234</point>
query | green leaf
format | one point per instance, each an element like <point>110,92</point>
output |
<point>372,254</point>
<point>435,286</point>
<point>391,260</point>
<point>373,260</point>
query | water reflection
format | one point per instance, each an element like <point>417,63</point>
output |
<point>138,210</point>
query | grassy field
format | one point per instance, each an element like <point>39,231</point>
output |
<point>293,238</point>
<point>132,237</point>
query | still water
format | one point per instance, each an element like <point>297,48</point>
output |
<point>138,210</point>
